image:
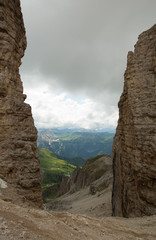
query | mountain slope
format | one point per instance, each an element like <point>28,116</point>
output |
<point>27,223</point>
<point>87,190</point>
<point>52,168</point>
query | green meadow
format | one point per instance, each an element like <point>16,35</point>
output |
<point>53,168</point>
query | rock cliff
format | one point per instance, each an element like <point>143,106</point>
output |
<point>96,173</point>
<point>19,162</point>
<point>134,148</point>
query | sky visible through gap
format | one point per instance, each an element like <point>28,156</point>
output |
<point>76,56</point>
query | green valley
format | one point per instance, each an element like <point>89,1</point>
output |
<point>60,151</point>
<point>53,168</point>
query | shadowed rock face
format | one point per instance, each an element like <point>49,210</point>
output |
<point>19,162</point>
<point>134,148</point>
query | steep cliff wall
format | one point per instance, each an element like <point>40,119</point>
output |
<point>19,162</point>
<point>134,149</point>
<point>96,173</point>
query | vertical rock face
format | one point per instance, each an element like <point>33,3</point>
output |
<point>19,162</point>
<point>134,148</point>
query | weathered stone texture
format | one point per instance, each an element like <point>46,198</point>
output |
<point>134,148</point>
<point>19,162</point>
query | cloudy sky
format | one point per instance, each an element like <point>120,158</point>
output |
<point>73,67</point>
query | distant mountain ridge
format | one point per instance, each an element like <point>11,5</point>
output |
<point>69,130</point>
<point>71,144</point>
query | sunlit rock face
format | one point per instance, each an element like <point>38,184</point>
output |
<point>19,162</point>
<point>134,148</point>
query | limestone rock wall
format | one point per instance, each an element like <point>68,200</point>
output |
<point>134,148</point>
<point>19,162</point>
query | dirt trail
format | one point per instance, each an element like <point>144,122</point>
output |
<point>26,223</point>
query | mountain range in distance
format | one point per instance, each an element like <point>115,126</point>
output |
<point>76,145</point>
<point>69,130</point>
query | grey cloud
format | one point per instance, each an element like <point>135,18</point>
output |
<point>82,44</point>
